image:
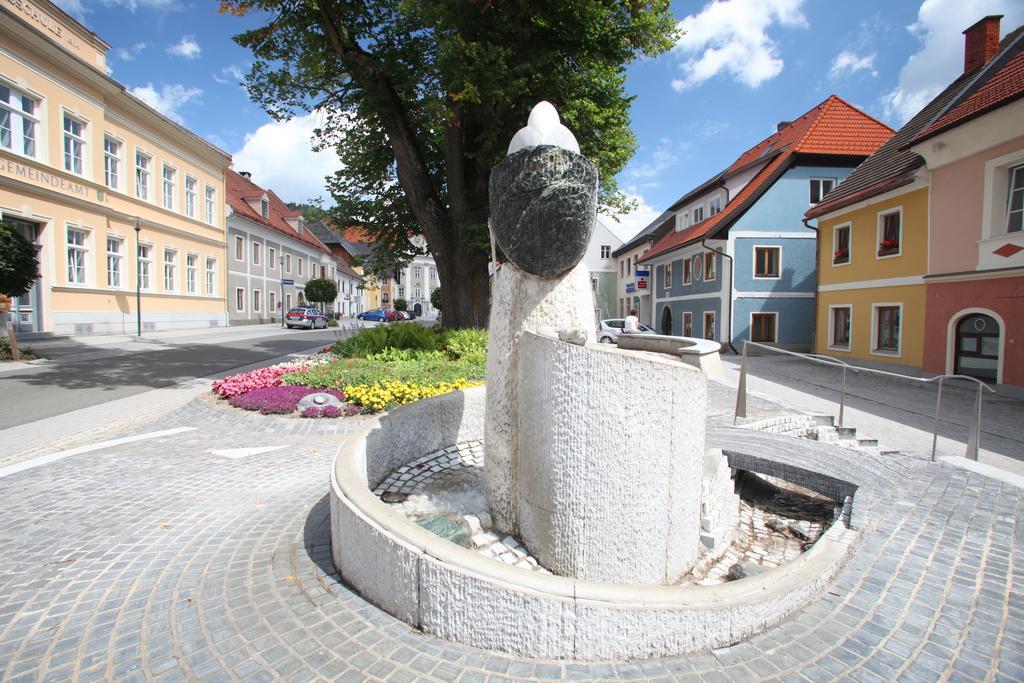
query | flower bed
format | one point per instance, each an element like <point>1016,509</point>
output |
<point>276,400</point>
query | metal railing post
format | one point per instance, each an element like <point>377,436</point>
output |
<point>974,439</point>
<point>842,399</point>
<point>741,388</point>
<point>935,428</point>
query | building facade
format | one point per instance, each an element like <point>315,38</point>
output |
<point>350,283</point>
<point>116,197</point>
<point>634,283</point>
<point>739,263</point>
<point>416,282</point>
<point>603,277</point>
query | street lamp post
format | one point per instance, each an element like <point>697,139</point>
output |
<point>138,278</point>
<point>281,302</point>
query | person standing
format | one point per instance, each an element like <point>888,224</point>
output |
<point>632,325</point>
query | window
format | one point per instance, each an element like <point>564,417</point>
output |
<point>211,276</point>
<point>606,251</point>
<point>170,269</point>
<point>190,196</point>
<point>287,301</point>
<point>169,175</point>
<point>839,330</point>
<point>288,264</point>
<point>1015,201</point>
<point>323,271</point>
<point>763,326</point>
<point>239,299</point>
<point>257,249</point>
<point>302,298</point>
<point>698,214</point>
<point>145,261</point>
<point>142,175</point>
<point>272,258</point>
<point>264,208</point>
<point>256,296</point>
<point>191,272</point>
<point>709,325</point>
<point>889,229</point>
<point>111,162</point>
<point>433,274</point>
<point>300,266</point>
<point>77,253</point>
<point>709,266</point>
<point>74,144</point>
<point>401,292</point>
<point>272,301</point>
<point>18,121</point>
<point>841,244</point>
<point>211,197</point>
<point>668,276</point>
<point>821,187</point>
<point>887,329</point>
<point>239,248</point>
<point>687,272</point>
<point>715,206</point>
<point>417,293</point>
<point>417,272</point>
<point>698,261</point>
<point>766,262</point>
<point>115,248</point>
<point>687,324</point>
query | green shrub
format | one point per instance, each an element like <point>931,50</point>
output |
<point>403,365</point>
<point>394,336</point>
<point>466,343</point>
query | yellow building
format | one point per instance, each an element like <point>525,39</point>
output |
<point>95,177</point>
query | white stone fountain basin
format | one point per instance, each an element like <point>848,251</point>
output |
<point>460,595</point>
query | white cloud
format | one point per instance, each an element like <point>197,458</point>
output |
<point>231,74</point>
<point>848,63</point>
<point>75,8</point>
<point>187,48</point>
<point>169,99</point>
<point>127,54</point>
<point>939,28</point>
<point>280,157</point>
<point>663,157</point>
<point>629,224</point>
<point>731,36</point>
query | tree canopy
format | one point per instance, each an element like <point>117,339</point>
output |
<point>18,266</point>
<point>321,290</point>
<point>420,100</point>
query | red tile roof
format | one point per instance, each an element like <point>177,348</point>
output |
<point>240,188</point>
<point>1005,86</point>
<point>833,128</point>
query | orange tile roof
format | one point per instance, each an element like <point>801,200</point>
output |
<point>240,188</point>
<point>833,128</point>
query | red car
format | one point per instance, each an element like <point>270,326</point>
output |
<point>392,316</point>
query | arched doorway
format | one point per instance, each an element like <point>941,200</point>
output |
<point>418,310</point>
<point>977,347</point>
<point>666,320</point>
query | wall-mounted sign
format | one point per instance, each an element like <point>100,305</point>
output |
<point>643,273</point>
<point>287,282</point>
<point>630,288</point>
<point>23,172</point>
<point>641,284</point>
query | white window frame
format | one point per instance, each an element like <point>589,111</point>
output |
<point>819,180</point>
<point>832,344</point>
<point>81,138</point>
<point>265,207</point>
<point>288,264</point>
<point>17,115</point>
<point>714,206</point>
<point>704,319</point>
<point>257,253</point>
<point>697,266</point>
<point>143,172</point>
<point>873,342</point>
<point>81,250</point>
<point>170,270</point>
<point>240,248</point>
<point>147,248</point>
<point>299,267</point>
<point>835,244</point>
<point>210,204</point>
<point>401,292</point>
<point>115,258</point>
<point>257,296</point>
<point>687,272</point>
<point>698,214</point>
<point>606,251</point>
<point>192,273</point>
<point>687,322</point>
<point>667,283</point>
<point>191,195</point>
<point>775,327</point>
<point>753,270</point>
<point>239,299</point>
<point>211,276</point>
<point>710,275</point>
<point>272,301</point>
<point>879,232</point>
<point>271,258</point>
<point>169,185</point>
<point>1012,172</point>
<point>112,162</point>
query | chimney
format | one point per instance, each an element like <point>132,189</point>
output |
<point>245,174</point>
<point>781,125</point>
<point>981,43</point>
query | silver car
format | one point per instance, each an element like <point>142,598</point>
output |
<point>609,330</point>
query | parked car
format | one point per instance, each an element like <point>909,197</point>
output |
<point>379,315</point>
<point>608,331</point>
<point>407,315</point>
<point>392,315</point>
<point>302,316</point>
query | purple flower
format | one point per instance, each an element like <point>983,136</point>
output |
<point>279,400</point>
<point>311,411</point>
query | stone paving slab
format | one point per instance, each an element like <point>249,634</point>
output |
<point>159,561</point>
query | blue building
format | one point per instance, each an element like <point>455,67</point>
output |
<point>739,263</point>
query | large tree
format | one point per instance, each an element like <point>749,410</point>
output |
<point>420,99</point>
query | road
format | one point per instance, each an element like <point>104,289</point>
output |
<point>69,384</point>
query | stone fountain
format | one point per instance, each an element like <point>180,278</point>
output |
<point>594,458</point>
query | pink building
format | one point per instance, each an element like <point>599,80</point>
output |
<point>974,151</point>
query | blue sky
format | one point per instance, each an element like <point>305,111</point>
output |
<point>742,66</point>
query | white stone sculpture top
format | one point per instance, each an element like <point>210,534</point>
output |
<point>544,128</point>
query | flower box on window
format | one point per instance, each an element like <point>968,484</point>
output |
<point>841,256</point>
<point>888,247</point>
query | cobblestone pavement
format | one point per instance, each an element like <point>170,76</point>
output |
<point>160,560</point>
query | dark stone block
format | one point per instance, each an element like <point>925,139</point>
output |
<point>543,208</point>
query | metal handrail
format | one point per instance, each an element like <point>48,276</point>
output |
<point>973,439</point>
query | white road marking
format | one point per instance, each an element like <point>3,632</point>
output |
<point>60,455</point>
<point>236,453</point>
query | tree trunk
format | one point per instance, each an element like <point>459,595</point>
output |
<point>465,286</point>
